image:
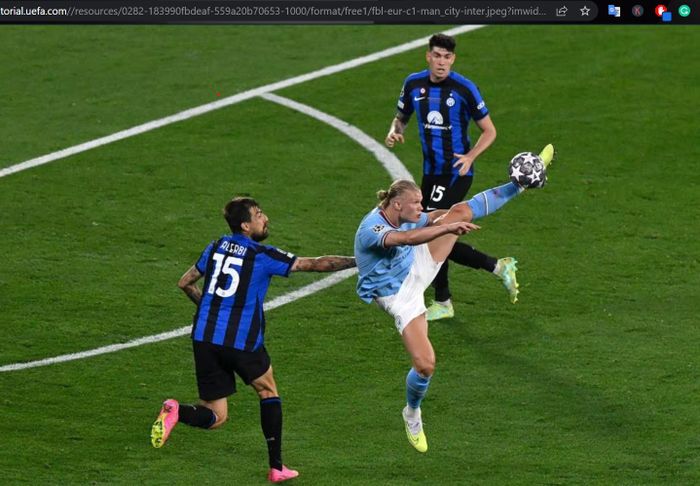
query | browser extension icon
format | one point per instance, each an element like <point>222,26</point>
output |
<point>613,10</point>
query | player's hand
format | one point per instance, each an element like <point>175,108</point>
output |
<point>392,138</point>
<point>462,227</point>
<point>464,163</point>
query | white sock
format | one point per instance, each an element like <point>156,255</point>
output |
<point>498,267</point>
<point>412,413</point>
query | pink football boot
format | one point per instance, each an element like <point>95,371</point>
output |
<point>165,423</point>
<point>277,476</point>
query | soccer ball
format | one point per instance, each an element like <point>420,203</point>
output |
<point>527,170</point>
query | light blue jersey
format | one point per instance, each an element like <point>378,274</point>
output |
<point>382,270</point>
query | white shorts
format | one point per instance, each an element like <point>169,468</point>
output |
<point>409,302</point>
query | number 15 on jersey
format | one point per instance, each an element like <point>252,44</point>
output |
<point>225,264</point>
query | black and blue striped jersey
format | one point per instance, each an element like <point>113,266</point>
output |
<point>443,111</point>
<point>237,272</point>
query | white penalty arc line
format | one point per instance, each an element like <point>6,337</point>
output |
<point>390,162</point>
<point>228,101</point>
<point>182,331</point>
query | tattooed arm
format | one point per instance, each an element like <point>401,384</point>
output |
<point>329,263</point>
<point>396,129</point>
<point>188,284</point>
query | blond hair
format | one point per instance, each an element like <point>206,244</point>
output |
<point>397,188</point>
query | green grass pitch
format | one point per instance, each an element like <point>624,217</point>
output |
<point>592,378</point>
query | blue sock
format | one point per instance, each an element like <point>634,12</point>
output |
<point>416,388</point>
<point>491,200</point>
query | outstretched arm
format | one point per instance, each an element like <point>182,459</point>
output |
<point>188,284</point>
<point>426,234</point>
<point>330,263</point>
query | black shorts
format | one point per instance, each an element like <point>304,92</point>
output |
<point>215,367</point>
<point>439,192</point>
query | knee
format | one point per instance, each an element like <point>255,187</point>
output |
<point>462,211</point>
<point>265,385</point>
<point>220,411</point>
<point>425,365</point>
<point>221,419</point>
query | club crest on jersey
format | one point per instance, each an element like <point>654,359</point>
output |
<point>377,228</point>
<point>450,101</point>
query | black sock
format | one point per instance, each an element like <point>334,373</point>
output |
<point>467,255</point>
<point>441,284</point>
<point>271,422</point>
<point>197,416</point>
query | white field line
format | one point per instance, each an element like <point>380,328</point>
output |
<point>182,331</point>
<point>228,101</point>
<point>391,163</point>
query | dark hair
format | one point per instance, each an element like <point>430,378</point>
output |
<point>237,212</point>
<point>397,188</point>
<point>442,40</point>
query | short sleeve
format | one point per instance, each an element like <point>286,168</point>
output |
<point>276,261</point>
<point>404,105</point>
<point>374,236</point>
<point>476,106</point>
<point>201,264</point>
